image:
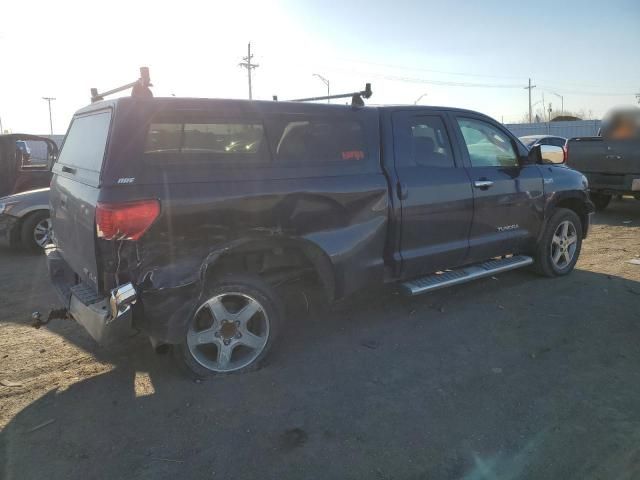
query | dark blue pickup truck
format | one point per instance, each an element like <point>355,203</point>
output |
<point>183,218</point>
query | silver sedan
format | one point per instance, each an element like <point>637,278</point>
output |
<point>24,219</point>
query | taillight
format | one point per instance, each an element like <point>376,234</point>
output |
<point>565,148</point>
<point>125,221</point>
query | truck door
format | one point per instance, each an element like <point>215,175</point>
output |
<point>508,194</point>
<point>434,192</point>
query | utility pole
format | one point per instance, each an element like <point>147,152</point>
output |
<point>529,88</point>
<point>326,82</point>
<point>49,100</point>
<point>249,66</point>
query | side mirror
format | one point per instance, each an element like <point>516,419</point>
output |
<point>546,154</point>
<point>551,154</point>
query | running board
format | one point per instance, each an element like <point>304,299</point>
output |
<point>464,274</point>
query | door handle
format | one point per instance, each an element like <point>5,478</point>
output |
<point>68,169</point>
<point>482,184</point>
<point>403,191</point>
<point>613,157</point>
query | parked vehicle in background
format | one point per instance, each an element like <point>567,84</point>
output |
<point>533,140</point>
<point>184,218</point>
<point>25,219</point>
<point>17,171</point>
<point>611,161</point>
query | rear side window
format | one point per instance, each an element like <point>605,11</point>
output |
<point>430,145</point>
<point>210,140</point>
<point>306,139</point>
<point>86,141</point>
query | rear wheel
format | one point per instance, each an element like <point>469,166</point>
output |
<point>600,200</point>
<point>560,245</point>
<point>233,329</point>
<point>36,230</point>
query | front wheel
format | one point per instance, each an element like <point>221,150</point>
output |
<point>233,329</point>
<point>560,245</point>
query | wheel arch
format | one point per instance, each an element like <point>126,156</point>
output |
<point>274,259</point>
<point>16,232</point>
<point>579,204</point>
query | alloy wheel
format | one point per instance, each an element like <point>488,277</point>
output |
<point>564,244</point>
<point>228,332</point>
<point>42,232</point>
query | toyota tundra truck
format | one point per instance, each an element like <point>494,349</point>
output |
<point>182,218</point>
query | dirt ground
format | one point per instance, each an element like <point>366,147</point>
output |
<point>513,377</point>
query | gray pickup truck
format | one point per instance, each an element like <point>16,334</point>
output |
<point>610,162</point>
<point>183,218</point>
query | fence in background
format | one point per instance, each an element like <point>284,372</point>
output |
<point>581,128</point>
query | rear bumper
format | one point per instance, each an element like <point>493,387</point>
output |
<point>106,318</point>
<point>614,183</point>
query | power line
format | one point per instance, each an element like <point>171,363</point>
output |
<point>468,74</point>
<point>249,66</point>
<point>550,89</point>
<point>437,82</point>
<point>448,83</point>
<point>404,67</point>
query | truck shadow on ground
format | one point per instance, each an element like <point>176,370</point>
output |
<point>625,212</point>
<point>519,377</point>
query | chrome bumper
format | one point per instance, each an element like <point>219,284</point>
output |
<point>107,319</point>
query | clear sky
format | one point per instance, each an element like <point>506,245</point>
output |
<point>472,54</point>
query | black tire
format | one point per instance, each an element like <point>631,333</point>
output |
<point>245,284</point>
<point>600,200</point>
<point>27,231</point>
<point>544,263</point>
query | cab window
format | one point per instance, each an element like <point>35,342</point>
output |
<point>486,144</point>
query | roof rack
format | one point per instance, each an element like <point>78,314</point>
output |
<point>140,88</point>
<point>356,97</point>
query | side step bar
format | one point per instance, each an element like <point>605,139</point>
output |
<point>464,274</point>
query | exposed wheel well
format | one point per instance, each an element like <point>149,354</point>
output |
<point>277,263</point>
<point>579,208</point>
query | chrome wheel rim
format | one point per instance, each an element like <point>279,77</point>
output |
<point>42,232</point>
<point>564,244</point>
<point>228,332</point>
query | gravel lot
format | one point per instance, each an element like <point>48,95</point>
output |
<point>513,377</point>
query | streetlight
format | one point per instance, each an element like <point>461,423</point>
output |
<point>49,100</point>
<point>326,82</point>
<point>561,101</point>
<point>420,98</point>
